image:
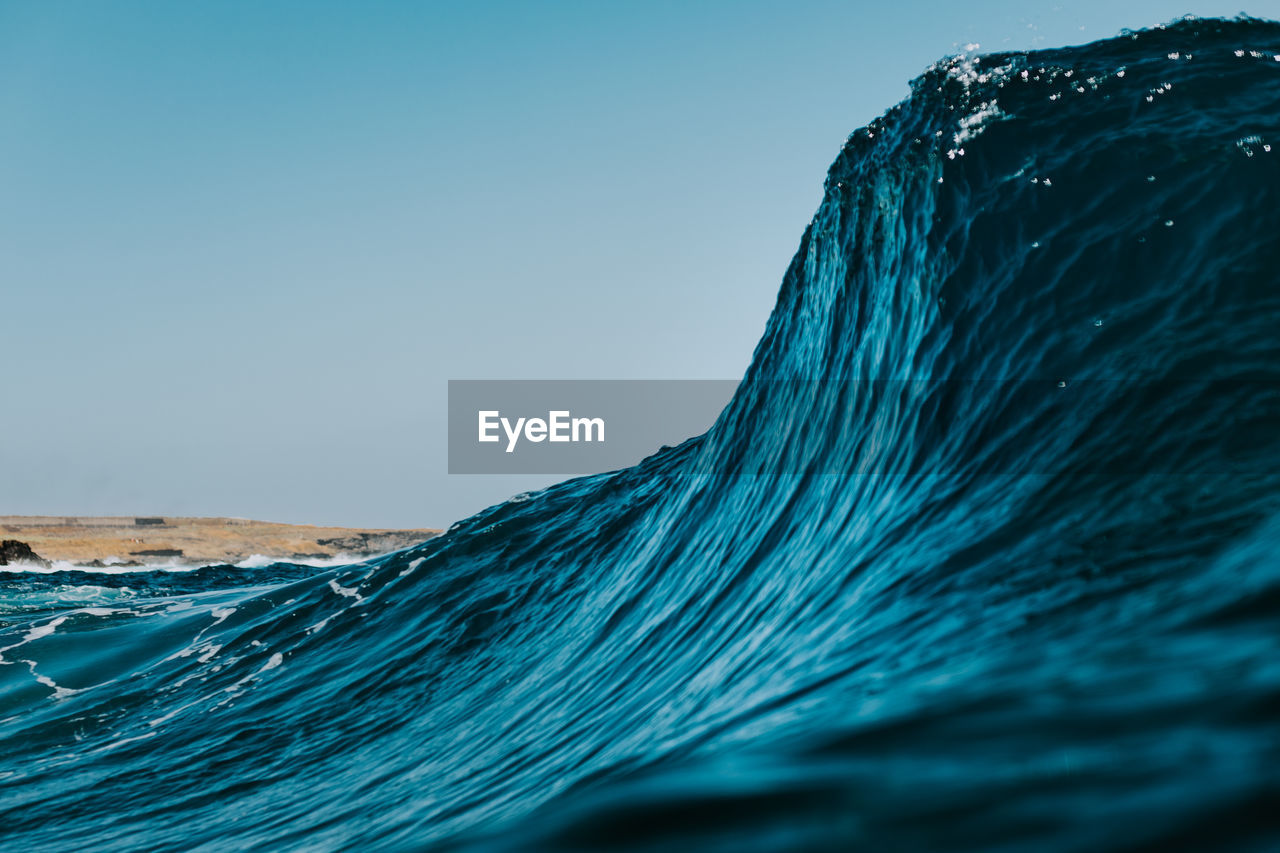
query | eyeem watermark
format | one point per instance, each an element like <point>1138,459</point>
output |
<point>558,426</point>
<point>574,426</point>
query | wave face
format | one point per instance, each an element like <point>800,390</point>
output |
<point>922,603</point>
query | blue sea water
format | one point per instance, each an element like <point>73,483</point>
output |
<point>1006,576</point>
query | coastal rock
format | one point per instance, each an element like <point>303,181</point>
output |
<point>121,540</point>
<point>373,542</point>
<point>12,551</point>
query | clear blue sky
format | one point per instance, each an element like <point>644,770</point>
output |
<point>244,245</point>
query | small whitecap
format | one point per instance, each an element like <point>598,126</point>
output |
<point>1247,144</point>
<point>319,626</point>
<point>44,630</point>
<point>413,566</point>
<point>345,591</point>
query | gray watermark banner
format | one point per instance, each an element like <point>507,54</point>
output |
<point>574,426</point>
<point>869,427</point>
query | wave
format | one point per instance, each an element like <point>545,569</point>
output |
<point>983,554</point>
<point>116,566</point>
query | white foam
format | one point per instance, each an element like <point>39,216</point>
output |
<point>256,561</point>
<point>345,591</point>
<point>413,566</point>
<point>119,743</point>
<point>58,692</point>
<point>116,566</point>
<point>261,561</point>
<point>44,630</point>
<point>35,633</point>
<point>319,626</point>
<point>111,566</point>
<point>972,125</point>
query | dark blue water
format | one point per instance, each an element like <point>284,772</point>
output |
<point>1008,578</point>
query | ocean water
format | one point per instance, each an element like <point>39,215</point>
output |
<point>984,554</point>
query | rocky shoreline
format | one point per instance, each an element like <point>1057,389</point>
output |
<point>13,552</point>
<point>139,541</point>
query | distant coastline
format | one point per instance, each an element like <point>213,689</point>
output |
<point>101,541</point>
